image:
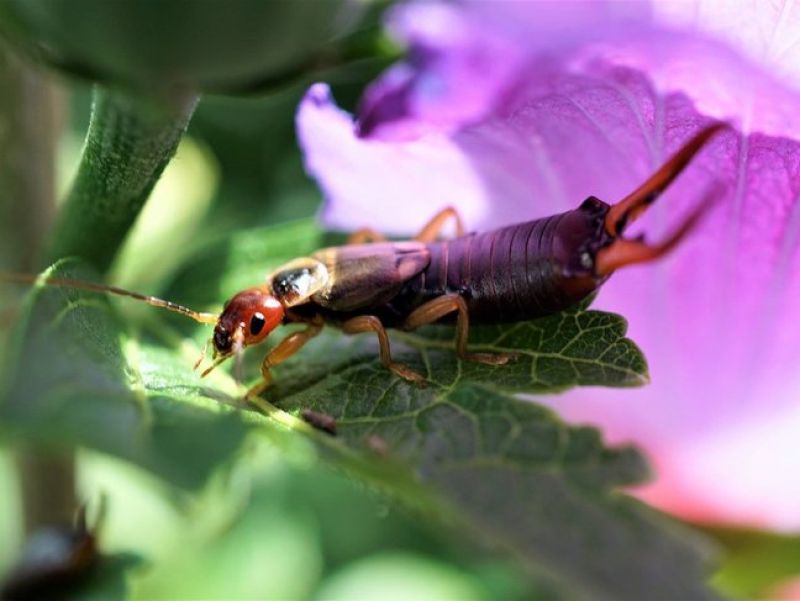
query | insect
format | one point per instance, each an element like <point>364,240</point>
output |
<point>55,562</point>
<point>514,273</point>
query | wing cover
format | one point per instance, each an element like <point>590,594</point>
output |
<point>364,275</point>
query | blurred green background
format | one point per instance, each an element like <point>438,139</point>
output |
<point>269,524</point>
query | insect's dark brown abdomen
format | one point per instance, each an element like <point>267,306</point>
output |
<point>514,273</point>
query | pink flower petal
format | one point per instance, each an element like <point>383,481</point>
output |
<point>717,320</point>
<point>466,57</point>
<point>381,179</point>
<point>766,33</point>
<point>788,590</point>
<point>715,77</point>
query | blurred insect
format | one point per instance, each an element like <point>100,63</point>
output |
<point>55,562</point>
<point>510,274</point>
<point>320,421</point>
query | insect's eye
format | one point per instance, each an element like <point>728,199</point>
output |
<point>257,323</point>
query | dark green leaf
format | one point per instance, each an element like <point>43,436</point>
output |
<point>207,45</point>
<point>108,580</point>
<point>71,384</point>
<point>510,472</point>
<point>506,471</point>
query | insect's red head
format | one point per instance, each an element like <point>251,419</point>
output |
<point>246,320</point>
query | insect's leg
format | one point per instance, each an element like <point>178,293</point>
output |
<point>203,352</point>
<point>365,235</point>
<point>370,323</point>
<point>429,233</point>
<point>437,308</point>
<point>433,228</point>
<point>280,353</point>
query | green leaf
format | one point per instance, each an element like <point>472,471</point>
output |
<point>756,563</point>
<point>208,45</point>
<point>509,472</point>
<point>70,383</point>
<point>108,579</point>
<point>502,471</point>
<point>130,141</point>
<point>512,473</point>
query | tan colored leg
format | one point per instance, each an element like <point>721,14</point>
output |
<point>365,235</point>
<point>202,354</point>
<point>433,228</point>
<point>370,323</point>
<point>427,234</point>
<point>439,307</point>
<point>280,353</point>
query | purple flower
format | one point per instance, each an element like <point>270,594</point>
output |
<point>517,110</point>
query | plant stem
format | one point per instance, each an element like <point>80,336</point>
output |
<point>130,141</point>
<point>31,117</point>
<point>47,480</point>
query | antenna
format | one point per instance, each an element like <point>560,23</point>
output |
<point>22,278</point>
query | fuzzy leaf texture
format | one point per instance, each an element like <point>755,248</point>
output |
<point>507,472</point>
<point>130,141</point>
<point>70,383</point>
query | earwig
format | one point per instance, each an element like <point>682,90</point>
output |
<point>514,273</point>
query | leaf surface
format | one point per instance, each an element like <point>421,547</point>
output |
<point>505,469</point>
<point>71,383</point>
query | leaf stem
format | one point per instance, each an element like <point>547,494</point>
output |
<point>129,143</point>
<point>30,122</point>
<point>278,415</point>
<point>47,480</point>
